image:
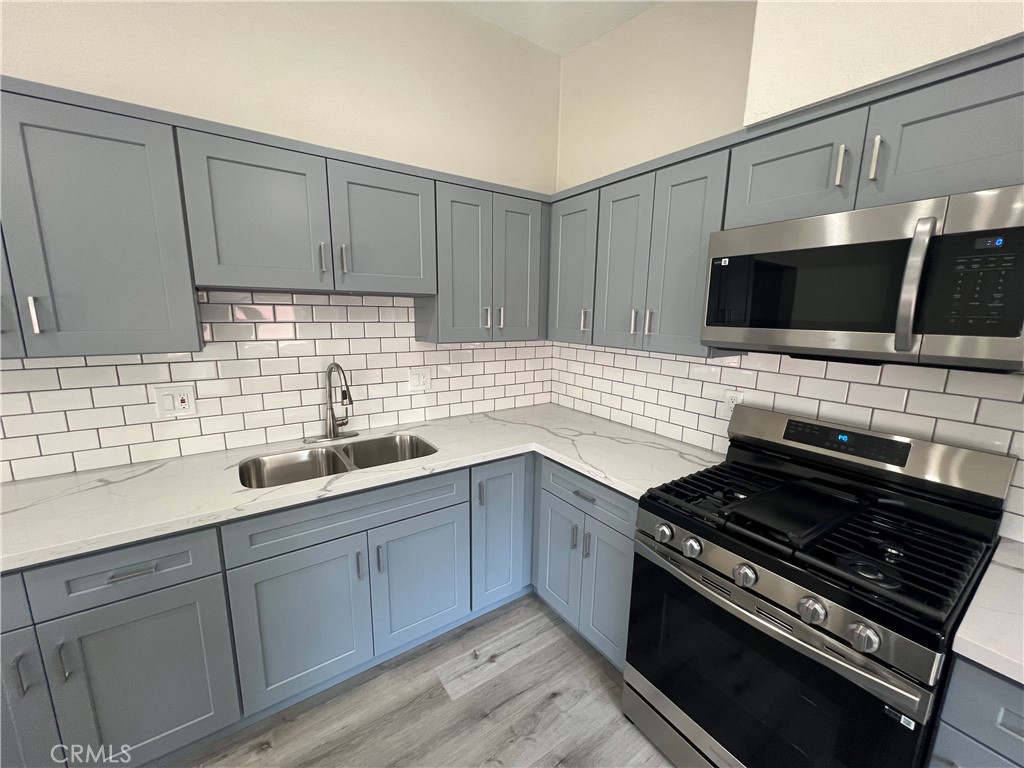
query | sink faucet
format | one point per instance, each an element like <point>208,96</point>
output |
<point>332,423</point>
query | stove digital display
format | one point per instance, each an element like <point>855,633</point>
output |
<point>870,447</point>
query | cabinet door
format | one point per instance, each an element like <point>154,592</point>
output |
<point>607,577</point>
<point>27,729</point>
<point>498,530</point>
<point>152,673</point>
<point>95,232</point>
<point>573,269</point>
<point>516,269</point>
<point>11,343</point>
<point>257,215</point>
<point>300,619</point>
<point>383,228</point>
<point>420,576</point>
<point>958,136</point>
<point>688,203</point>
<point>804,171</point>
<point>623,253</point>
<point>464,264</point>
<point>559,556</point>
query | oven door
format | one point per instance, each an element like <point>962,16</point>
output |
<point>744,692</point>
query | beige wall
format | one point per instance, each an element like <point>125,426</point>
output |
<point>672,77</point>
<point>419,83</point>
<point>804,52</point>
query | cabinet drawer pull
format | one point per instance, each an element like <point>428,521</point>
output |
<point>16,666</point>
<point>63,664</point>
<point>501,318</point>
<point>487,317</point>
<point>873,171</point>
<point>633,313</point>
<point>380,559</point>
<point>359,565</point>
<point>116,578</point>
<point>32,314</point>
<point>480,491</point>
<point>583,319</point>
<point>839,165</point>
<point>344,260</point>
<point>585,496</point>
<point>573,536</point>
<point>586,545</point>
<point>648,318</point>
<point>323,259</point>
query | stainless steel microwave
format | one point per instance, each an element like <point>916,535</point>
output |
<point>935,282</point>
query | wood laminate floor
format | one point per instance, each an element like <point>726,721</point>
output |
<point>517,687</point>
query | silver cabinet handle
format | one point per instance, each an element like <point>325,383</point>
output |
<point>584,496</point>
<point>16,666</point>
<point>344,260</point>
<point>839,165</point>
<point>63,664</point>
<point>648,317</point>
<point>480,491</point>
<point>586,545</point>
<point>33,315</point>
<point>359,565</point>
<point>583,319</point>
<point>380,559</point>
<point>633,313</point>
<point>323,259</point>
<point>501,318</point>
<point>487,317</point>
<point>574,534</point>
<point>115,578</point>
<point>873,171</point>
<point>911,283</point>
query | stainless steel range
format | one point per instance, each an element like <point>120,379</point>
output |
<point>794,605</point>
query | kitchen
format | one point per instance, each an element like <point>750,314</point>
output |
<point>459,383</point>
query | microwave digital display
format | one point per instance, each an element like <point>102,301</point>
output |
<point>989,242</point>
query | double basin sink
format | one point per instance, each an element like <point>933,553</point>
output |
<point>309,463</point>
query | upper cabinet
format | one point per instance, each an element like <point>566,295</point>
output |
<point>257,215</point>
<point>805,171</point>
<point>573,269</point>
<point>489,265</point>
<point>94,230</point>
<point>961,135</point>
<point>382,226</point>
<point>11,343</point>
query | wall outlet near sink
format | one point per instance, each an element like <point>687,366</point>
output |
<point>175,400</point>
<point>419,379</point>
<point>732,399</point>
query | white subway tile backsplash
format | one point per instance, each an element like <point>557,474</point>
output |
<point>914,377</point>
<point>906,424</point>
<point>1007,387</point>
<point>865,374</point>
<point>34,424</point>
<point>29,381</point>
<point>824,389</point>
<point>23,469</point>
<point>61,400</point>
<point>845,414</point>
<point>889,398</point>
<point>93,376</point>
<point>973,436</point>
<point>100,458</point>
<point>947,406</point>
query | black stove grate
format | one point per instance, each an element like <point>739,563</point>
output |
<point>707,492</point>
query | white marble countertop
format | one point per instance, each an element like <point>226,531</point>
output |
<point>992,632</point>
<point>62,516</point>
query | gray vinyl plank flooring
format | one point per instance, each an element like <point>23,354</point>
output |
<point>516,687</point>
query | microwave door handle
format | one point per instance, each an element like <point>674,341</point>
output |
<point>912,282</point>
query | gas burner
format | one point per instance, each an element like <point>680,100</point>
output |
<point>878,574</point>
<point>892,552</point>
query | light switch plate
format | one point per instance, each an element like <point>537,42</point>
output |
<point>419,379</point>
<point>175,400</point>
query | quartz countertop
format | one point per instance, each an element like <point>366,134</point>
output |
<point>992,632</point>
<point>62,516</point>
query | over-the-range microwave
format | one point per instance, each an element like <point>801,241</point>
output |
<point>933,282</point>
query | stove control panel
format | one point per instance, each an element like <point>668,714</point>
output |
<point>848,442</point>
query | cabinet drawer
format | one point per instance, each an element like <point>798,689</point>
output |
<point>598,501</point>
<point>14,612</point>
<point>250,540</point>
<point>953,749</point>
<point>65,588</point>
<point>988,708</point>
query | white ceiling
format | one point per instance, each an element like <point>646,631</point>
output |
<point>559,27</point>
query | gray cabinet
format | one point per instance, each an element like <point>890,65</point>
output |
<point>623,253</point>
<point>11,343</point>
<point>688,202</point>
<point>953,749</point>
<point>94,231</point>
<point>257,215</point>
<point>152,673</point>
<point>805,171</point>
<point>14,612</point>
<point>382,226</point>
<point>420,576</point>
<point>961,135</point>
<point>499,531</point>
<point>573,255</point>
<point>516,271</point>
<point>559,557</point>
<point>300,619</point>
<point>607,577</point>
<point>28,731</point>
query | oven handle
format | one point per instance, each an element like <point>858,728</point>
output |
<point>912,282</point>
<point>914,703</point>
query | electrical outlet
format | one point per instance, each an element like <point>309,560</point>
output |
<point>175,400</point>
<point>732,399</point>
<point>419,379</point>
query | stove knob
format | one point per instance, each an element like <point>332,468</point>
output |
<point>744,575</point>
<point>811,611</point>
<point>692,547</point>
<point>663,533</point>
<point>863,638</point>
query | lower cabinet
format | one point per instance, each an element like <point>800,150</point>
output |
<point>559,561</point>
<point>145,675</point>
<point>28,732</point>
<point>501,563</point>
<point>300,619</point>
<point>420,577</point>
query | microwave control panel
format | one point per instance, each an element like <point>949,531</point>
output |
<point>973,285</point>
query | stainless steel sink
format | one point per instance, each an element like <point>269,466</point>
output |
<point>310,463</point>
<point>375,451</point>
